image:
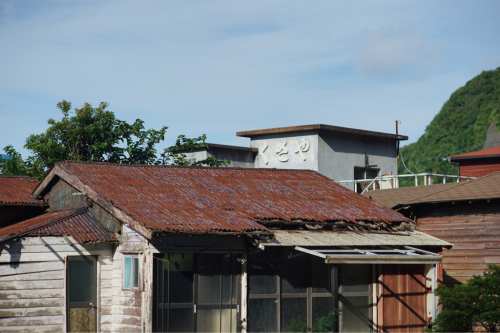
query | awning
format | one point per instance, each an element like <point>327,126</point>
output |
<point>359,247</point>
<point>409,255</point>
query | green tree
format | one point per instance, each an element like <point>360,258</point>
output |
<point>183,144</point>
<point>467,305</point>
<point>92,134</point>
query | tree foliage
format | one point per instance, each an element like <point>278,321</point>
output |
<point>177,157</point>
<point>323,324</point>
<point>459,127</point>
<point>95,135</point>
<point>467,305</point>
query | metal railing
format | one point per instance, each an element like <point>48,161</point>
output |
<point>392,181</point>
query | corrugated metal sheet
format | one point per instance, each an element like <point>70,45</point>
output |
<point>77,223</point>
<point>166,198</point>
<point>350,238</point>
<point>17,190</point>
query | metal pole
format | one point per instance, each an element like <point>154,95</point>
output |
<point>416,181</point>
<point>444,180</point>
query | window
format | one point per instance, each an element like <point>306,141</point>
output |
<point>130,272</point>
<point>286,285</point>
<point>364,173</point>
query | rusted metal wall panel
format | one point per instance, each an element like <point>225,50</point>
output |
<point>479,167</point>
<point>475,239</point>
<point>403,303</point>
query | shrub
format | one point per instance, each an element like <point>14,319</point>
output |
<point>467,305</point>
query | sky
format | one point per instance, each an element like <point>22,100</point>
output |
<point>219,67</point>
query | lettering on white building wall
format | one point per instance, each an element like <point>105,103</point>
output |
<point>282,151</point>
<point>262,150</point>
<point>301,147</point>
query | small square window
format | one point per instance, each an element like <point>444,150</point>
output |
<point>130,272</point>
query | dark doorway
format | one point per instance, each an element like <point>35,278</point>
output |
<point>81,294</point>
<point>196,292</point>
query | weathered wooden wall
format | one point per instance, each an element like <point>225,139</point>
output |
<point>472,228</point>
<point>127,304</point>
<point>402,303</point>
<point>32,282</point>
<point>479,167</point>
<point>63,196</point>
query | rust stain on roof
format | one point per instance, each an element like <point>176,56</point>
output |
<point>17,190</point>
<point>202,199</point>
<point>77,223</point>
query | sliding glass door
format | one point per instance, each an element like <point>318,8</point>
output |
<point>196,292</point>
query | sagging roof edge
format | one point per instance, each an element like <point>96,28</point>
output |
<point>76,212</point>
<point>59,170</point>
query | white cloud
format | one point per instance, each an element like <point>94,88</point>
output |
<point>389,52</point>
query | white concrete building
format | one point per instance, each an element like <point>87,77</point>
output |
<point>337,152</point>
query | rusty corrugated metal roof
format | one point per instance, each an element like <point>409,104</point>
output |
<point>202,199</point>
<point>17,190</point>
<point>323,238</point>
<point>77,223</point>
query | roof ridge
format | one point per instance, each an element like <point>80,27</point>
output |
<point>23,177</point>
<point>184,166</point>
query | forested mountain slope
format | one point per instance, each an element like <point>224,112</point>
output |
<point>459,127</point>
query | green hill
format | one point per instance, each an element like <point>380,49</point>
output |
<point>459,127</point>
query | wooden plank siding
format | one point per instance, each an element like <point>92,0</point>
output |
<point>32,283</point>
<point>127,305</point>
<point>402,303</point>
<point>474,232</point>
<point>479,167</point>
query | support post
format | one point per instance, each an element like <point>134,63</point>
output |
<point>416,180</point>
<point>244,294</point>
<point>434,297</point>
<point>334,276</point>
<point>444,180</point>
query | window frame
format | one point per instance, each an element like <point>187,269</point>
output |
<point>133,266</point>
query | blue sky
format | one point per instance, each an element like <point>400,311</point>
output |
<point>218,67</point>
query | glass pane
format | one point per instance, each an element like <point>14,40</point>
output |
<point>181,277</point>
<point>321,307</point>
<point>356,278</point>
<point>320,276</point>
<point>135,273</point>
<point>81,320</point>
<point>262,315</point>
<point>227,281</point>
<point>293,309</point>
<point>356,314</point>
<point>181,320</point>
<point>295,272</point>
<point>229,320</point>
<point>209,279</point>
<point>127,272</point>
<point>208,320</point>
<point>81,281</point>
<point>262,277</point>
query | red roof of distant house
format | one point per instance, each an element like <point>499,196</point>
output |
<point>77,223</point>
<point>17,190</point>
<point>202,199</point>
<point>485,153</point>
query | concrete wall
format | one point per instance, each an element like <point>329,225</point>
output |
<point>239,158</point>
<point>340,153</point>
<point>300,151</point>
